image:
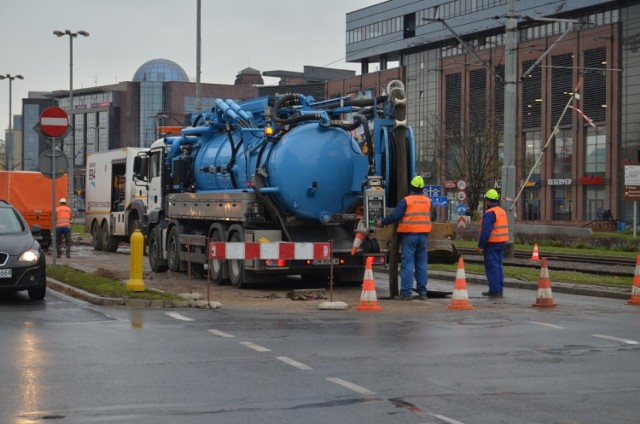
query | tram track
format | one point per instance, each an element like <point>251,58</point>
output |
<point>589,264</point>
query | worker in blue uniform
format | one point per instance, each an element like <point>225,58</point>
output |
<point>413,213</point>
<point>494,233</point>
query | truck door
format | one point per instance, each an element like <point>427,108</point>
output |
<point>155,180</point>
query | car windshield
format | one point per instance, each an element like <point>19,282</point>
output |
<point>10,222</point>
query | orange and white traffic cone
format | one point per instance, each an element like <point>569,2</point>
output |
<point>361,233</point>
<point>545,297</point>
<point>635,289</point>
<point>460,296</point>
<point>368,299</point>
<point>536,255</point>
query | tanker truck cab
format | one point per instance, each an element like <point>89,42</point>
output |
<point>268,170</point>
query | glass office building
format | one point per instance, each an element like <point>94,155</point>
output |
<point>457,87</point>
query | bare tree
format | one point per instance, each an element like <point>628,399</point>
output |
<point>471,153</point>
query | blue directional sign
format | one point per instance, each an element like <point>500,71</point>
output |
<point>462,209</point>
<point>438,201</point>
<point>432,191</point>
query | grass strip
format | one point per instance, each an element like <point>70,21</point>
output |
<point>103,287</point>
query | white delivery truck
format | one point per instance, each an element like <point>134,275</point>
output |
<point>115,205</point>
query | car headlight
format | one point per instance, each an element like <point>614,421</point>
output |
<point>30,256</point>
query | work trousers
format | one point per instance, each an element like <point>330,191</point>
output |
<point>63,232</point>
<point>413,263</point>
<point>493,253</point>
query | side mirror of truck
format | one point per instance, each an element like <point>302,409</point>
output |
<point>140,168</point>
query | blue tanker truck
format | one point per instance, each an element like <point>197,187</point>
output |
<point>277,168</point>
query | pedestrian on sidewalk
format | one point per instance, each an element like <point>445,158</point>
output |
<point>63,227</point>
<point>414,216</point>
<point>494,233</point>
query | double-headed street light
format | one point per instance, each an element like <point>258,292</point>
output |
<point>71,35</point>
<point>10,140</point>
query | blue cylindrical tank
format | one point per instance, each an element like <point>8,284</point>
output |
<point>312,172</point>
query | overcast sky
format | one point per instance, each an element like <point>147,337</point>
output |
<point>124,34</point>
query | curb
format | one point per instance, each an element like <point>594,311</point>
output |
<point>132,303</point>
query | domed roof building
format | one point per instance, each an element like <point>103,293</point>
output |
<point>160,70</point>
<point>249,76</point>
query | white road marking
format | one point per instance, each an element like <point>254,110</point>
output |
<point>547,325</point>
<point>178,316</point>
<point>351,386</point>
<point>447,419</point>
<point>627,341</point>
<point>220,333</point>
<point>294,363</point>
<point>255,347</point>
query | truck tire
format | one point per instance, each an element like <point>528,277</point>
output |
<point>217,266</point>
<point>96,237</point>
<point>109,242</point>
<point>236,266</point>
<point>156,262</point>
<point>173,250</point>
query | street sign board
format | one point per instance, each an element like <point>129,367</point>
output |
<point>437,201</point>
<point>46,163</point>
<point>432,191</point>
<point>54,122</point>
<point>631,182</point>
<point>462,209</point>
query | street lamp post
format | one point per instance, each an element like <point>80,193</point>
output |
<point>71,35</point>
<point>11,140</point>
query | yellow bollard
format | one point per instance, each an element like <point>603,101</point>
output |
<point>135,282</point>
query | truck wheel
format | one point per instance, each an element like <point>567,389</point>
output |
<point>173,250</point>
<point>236,266</point>
<point>156,262</point>
<point>217,266</point>
<point>109,242</point>
<point>96,237</point>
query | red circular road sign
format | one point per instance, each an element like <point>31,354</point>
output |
<point>54,121</point>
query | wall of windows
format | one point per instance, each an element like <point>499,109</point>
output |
<point>151,104</point>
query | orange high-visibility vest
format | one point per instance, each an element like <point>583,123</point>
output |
<point>500,231</point>
<point>63,216</point>
<point>417,217</point>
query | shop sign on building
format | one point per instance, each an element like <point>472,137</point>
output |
<point>559,181</point>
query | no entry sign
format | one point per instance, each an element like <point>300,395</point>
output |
<point>54,122</point>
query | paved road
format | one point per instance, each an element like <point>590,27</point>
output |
<point>69,362</point>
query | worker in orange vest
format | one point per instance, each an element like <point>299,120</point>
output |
<point>414,216</point>
<point>63,227</point>
<point>494,233</point>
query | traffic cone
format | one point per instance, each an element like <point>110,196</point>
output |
<point>361,233</point>
<point>536,255</point>
<point>545,297</point>
<point>368,299</point>
<point>635,289</point>
<point>460,296</point>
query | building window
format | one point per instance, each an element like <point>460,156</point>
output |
<point>562,203</point>
<point>532,148</point>
<point>595,84</point>
<point>561,87</point>
<point>531,96</point>
<point>563,154</point>
<point>594,202</point>
<point>595,157</point>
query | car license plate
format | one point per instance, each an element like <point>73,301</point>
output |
<point>336,261</point>
<point>5,273</point>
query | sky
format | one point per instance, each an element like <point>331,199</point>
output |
<point>124,34</point>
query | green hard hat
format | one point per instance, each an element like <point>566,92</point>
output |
<point>417,182</point>
<point>492,194</point>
